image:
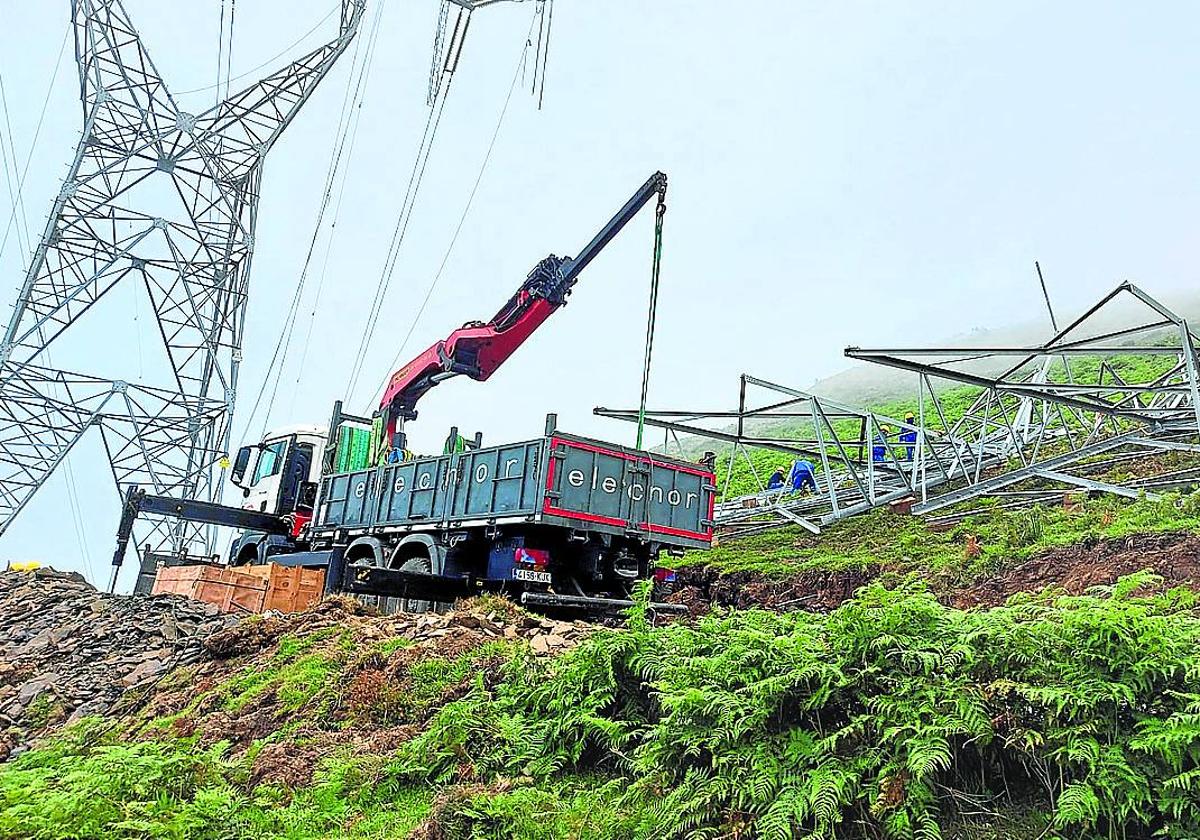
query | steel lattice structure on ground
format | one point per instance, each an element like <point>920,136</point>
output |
<point>168,200</point>
<point>1060,414</point>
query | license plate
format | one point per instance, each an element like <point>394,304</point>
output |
<point>531,575</point>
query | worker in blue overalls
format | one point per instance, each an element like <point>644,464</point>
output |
<point>879,449</point>
<point>803,476</point>
<point>776,481</point>
<point>908,437</point>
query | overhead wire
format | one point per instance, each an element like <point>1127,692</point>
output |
<point>337,210</point>
<point>269,61</point>
<point>220,49</point>
<point>439,39</point>
<point>229,51</point>
<point>545,52</point>
<point>521,62</point>
<point>540,17</point>
<point>354,91</point>
<point>412,191</point>
<point>14,177</point>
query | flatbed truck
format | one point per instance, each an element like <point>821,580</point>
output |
<point>555,521</point>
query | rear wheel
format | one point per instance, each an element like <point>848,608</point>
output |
<point>362,555</point>
<point>419,565</point>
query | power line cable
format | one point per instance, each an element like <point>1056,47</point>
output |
<point>412,191</point>
<point>354,89</point>
<point>416,178</point>
<point>33,144</point>
<point>546,52</point>
<point>466,209</point>
<point>337,211</point>
<point>229,51</point>
<point>220,50</point>
<point>15,180</point>
<point>270,60</point>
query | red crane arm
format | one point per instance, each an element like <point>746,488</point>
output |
<point>476,349</point>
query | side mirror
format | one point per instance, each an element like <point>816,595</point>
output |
<point>240,463</point>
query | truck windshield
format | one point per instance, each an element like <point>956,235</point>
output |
<point>270,460</point>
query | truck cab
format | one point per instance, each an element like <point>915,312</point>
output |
<point>280,475</point>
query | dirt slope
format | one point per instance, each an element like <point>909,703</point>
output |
<point>1175,556</point>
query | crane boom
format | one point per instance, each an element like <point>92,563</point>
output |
<point>478,348</point>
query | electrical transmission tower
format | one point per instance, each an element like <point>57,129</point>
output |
<point>168,201</point>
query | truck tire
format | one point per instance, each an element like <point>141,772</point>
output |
<point>365,552</point>
<point>248,556</point>
<point>411,605</point>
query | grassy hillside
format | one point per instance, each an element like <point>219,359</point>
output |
<point>892,716</point>
<point>891,713</point>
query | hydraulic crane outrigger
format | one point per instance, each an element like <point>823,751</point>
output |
<point>477,349</point>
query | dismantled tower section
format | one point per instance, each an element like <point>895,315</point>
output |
<point>1066,413</point>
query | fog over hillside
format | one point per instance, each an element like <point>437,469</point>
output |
<point>869,385</point>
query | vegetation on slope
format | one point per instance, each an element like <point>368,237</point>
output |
<point>92,783</point>
<point>984,542</point>
<point>893,716</point>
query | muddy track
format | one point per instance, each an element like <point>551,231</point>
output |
<point>1175,556</point>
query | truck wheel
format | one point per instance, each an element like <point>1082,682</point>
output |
<point>422,565</point>
<point>357,556</point>
<point>248,556</point>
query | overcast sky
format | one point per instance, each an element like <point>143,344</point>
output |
<point>840,173</point>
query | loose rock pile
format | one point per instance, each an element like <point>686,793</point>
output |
<point>469,622</point>
<point>67,651</point>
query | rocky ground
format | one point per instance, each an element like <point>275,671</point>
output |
<point>67,651</point>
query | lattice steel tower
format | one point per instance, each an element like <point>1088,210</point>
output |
<point>168,200</point>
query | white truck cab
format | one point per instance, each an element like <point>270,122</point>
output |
<point>282,472</point>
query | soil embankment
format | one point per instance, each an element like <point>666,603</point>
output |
<point>1175,556</point>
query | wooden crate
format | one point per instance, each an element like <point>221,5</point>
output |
<point>289,588</point>
<point>247,589</point>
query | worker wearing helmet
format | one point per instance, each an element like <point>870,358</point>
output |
<point>908,437</point>
<point>879,449</point>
